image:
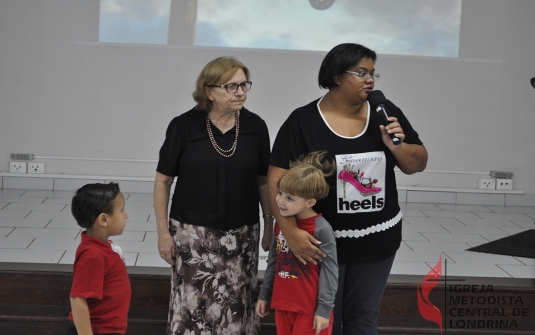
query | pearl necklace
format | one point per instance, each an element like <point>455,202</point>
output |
<point>221,151</point>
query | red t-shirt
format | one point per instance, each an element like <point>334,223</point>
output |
<point>306,289</point>
<point>100,276</point>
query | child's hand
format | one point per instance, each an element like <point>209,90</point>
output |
<point>320,323</point>
<point>262,308</point>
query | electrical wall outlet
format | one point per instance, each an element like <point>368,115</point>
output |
<point>36,167</point>
<point>504,184</point>
<point>18,167</point>
<point>487,184</point>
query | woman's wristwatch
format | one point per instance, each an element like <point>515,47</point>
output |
<point>269,216</point>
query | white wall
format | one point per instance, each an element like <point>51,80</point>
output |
<point>63,94</point>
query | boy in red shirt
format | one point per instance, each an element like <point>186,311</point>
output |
<point>302,295</point>
<point>100,293</point>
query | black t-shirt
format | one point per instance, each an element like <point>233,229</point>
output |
<point>211,190</point>
<point>362,205</point>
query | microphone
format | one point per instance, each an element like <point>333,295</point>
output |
<point>378,101</point>
<point>533,82</point>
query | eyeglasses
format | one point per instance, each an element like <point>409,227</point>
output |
<point>233,87</point>
<point>365,75</point>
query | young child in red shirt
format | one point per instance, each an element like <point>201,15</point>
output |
<point>302,295</point>
<point>100,293</point>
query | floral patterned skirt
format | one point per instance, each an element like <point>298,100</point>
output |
<point>214,284</point>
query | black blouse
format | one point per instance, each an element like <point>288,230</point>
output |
<point>211,190</point>
<point>378,219</point>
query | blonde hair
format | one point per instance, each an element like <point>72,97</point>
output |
<point>217,72</point>
<point>306,177</point>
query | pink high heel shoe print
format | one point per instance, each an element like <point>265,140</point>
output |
<point>365,186</point>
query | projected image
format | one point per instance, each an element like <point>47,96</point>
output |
<point>399,27</point>
<point>134,21</point>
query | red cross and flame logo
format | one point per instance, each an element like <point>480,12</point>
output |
<point>427,310</point>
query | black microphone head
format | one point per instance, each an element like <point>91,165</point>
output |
<point>376,98</point>
<point>533,82</point>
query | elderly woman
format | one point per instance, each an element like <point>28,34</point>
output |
<point>219,153</point>
<point>362,206</point>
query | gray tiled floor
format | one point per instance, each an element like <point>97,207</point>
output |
<point>37,227</point>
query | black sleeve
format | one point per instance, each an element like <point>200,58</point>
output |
<point>264,150</point>
<point>171,150</point>
<point>411,136</point>
<point>289,144</point>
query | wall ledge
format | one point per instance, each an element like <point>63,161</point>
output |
<point>457,190</point>
<point>421,194</point>
<point>72,176</point>
<point>151,179</point>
